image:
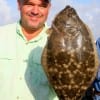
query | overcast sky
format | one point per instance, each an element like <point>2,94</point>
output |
<point>88,10</point>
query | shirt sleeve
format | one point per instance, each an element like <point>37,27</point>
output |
<point>98,50</point>
<point>98,47</point>
<point>96,83</point>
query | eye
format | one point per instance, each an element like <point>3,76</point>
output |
<point>44,5</point>
<point>29,3</point>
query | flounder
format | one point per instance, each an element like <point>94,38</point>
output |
<point>70,58</point>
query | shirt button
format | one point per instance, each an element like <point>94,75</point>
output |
<point>17,97</point>
<point>26,43</point>
<point>20,78</point>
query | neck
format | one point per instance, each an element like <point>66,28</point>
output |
<point>30,34</point>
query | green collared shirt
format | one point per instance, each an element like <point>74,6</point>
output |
<point>21,74</point>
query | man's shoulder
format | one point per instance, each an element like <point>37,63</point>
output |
<point>8,27</point>
<point>98,40</point>
<point>7,31</point>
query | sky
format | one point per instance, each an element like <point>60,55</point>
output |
<point>88,11</point>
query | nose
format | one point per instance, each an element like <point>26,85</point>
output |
<point>35,10</point>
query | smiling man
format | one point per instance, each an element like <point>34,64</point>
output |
<point>21,75</point>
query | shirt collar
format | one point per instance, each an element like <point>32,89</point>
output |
<point>37,38</point>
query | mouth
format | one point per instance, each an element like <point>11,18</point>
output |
<point>34,17</point>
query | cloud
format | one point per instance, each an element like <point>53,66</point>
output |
<point>88,10</point>
<point>90,14</point>
<point>55,8</point>
<point>6,12</point>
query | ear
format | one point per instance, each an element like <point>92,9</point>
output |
<point>49,5</point>
<point>18,4</point>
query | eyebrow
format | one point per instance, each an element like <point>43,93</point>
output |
<point>44,1</point>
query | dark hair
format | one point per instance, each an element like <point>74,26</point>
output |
<point>25,1</point>
<point>47,1</point>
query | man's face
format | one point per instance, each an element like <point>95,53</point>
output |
<point>33,13</point>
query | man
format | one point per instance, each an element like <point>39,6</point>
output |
<point>96,83</point>
<point>21,75</point>
<point>94,90</point>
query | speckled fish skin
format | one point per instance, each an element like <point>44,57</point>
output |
<point>70,57</point>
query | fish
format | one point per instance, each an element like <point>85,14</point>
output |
<point>70,58</point>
